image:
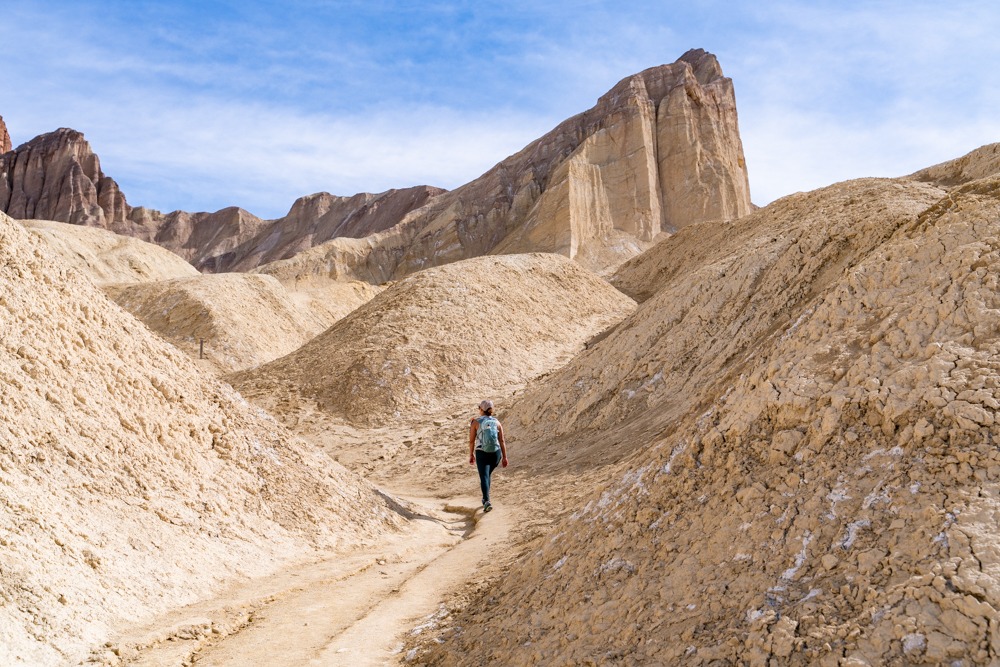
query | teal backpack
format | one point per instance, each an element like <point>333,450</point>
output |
<point>487,437</point>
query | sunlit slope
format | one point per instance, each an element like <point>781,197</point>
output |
<point>244,319</point>
<point>831,496</point>
<point>461,332</point>
<point>106,257</point>
<point>130,482</point>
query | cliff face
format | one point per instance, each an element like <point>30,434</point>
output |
<point>661,150</point>
<point>56,176</point>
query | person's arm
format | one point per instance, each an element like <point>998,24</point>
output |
<point>503,446</point>
<point>472,441</point>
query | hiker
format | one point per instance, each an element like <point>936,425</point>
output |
<point>486,448</point>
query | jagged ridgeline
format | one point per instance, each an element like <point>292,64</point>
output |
<point>659,151</point>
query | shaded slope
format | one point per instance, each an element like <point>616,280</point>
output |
<point>830,500</point>
<point>980,163</point>
<point>453,333</point>
<point>130,482</point>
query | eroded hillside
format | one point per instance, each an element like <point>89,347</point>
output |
<point>821,483</point>
<point>107,258</point>
<point>449,334</point>
<point>130,482</point>
<point>235,320</point>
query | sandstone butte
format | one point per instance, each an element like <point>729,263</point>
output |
<point>659,151</point>
<point>803,415</point>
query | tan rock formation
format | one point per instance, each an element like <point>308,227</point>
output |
<point>5,145</point>
<point>449,334</point>
<point>131,482</point>
<point>56,176</point>
<point>659,151</point>
<point>812,400</point>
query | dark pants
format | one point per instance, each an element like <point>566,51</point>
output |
<point>486,463</point>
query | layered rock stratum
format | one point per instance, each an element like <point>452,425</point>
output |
<point>446,335</point>
<point>130,481</point>
<point>804,411</point>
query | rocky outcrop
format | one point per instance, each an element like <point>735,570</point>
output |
<point>57,176</point>
<point>980,163</point>
<point>660,151</point>
<point>312,220</point>
<point>5,145</point>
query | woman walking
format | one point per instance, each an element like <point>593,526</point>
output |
<point>486,448</point>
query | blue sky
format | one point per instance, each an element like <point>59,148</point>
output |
<point>197,105</point>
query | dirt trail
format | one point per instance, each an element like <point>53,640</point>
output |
<point>361,607</point>
<point>347,609</point>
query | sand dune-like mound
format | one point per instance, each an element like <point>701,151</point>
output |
<point>471,329</point>
<point>130,482</point>
<point>106,257</point>
<point>235,320</point>
<point>830,496</point>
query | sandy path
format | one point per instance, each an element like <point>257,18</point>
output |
<point>350,609</point>
<point>364,606</point>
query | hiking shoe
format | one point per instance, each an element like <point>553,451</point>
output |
<point>487,506</point>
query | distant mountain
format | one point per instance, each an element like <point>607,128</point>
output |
<point>57,176</point>
<point>659,151</point>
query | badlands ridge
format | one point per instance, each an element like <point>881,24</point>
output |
<point>737,436</point>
